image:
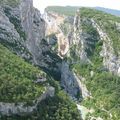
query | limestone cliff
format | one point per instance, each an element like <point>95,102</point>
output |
<point>60,25</point>
<point>77,37</point>
<point>23,32</point>
<point>86,41</point>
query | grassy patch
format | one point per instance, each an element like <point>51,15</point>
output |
<point>16,78</point>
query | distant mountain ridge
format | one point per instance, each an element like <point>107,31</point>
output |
<point>70,10</point>
<point>107,10</point>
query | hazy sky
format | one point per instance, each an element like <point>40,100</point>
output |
<point>113,4</point>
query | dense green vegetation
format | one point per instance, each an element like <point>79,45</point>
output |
<point>107,22</point>
<point>56,108</point>
<point>59,107</point>
<point>103,85</point>
<point>16,78</point>
<point>68,10</point>
<point>106,95</point>
<point>91,36</point>
<point>12,3</point>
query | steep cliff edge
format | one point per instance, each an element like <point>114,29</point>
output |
<point>23,88</point>
<point>23,32</point>
<point>60,26</point>
<point>55,25</point>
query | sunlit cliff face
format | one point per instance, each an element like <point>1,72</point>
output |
<point>53,22</point>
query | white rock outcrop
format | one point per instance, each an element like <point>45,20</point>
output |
<point>110,60</point>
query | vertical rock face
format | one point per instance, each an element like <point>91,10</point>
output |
<point>79,38</point>
<point>26,21</point>
<point>7,30</point>
<point>110,60</point>
<point>69,82</point>
<point>84,43</point>
<point>26,14</point>
<point>38,33</point>
<point>55,24</point>
<point>12,34</point>
<point>30,22</point>
<point>73,41</point>
<point>24,32</point>
<point>84,91</point>
<point>62,27</point>
<point>34,26</point>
